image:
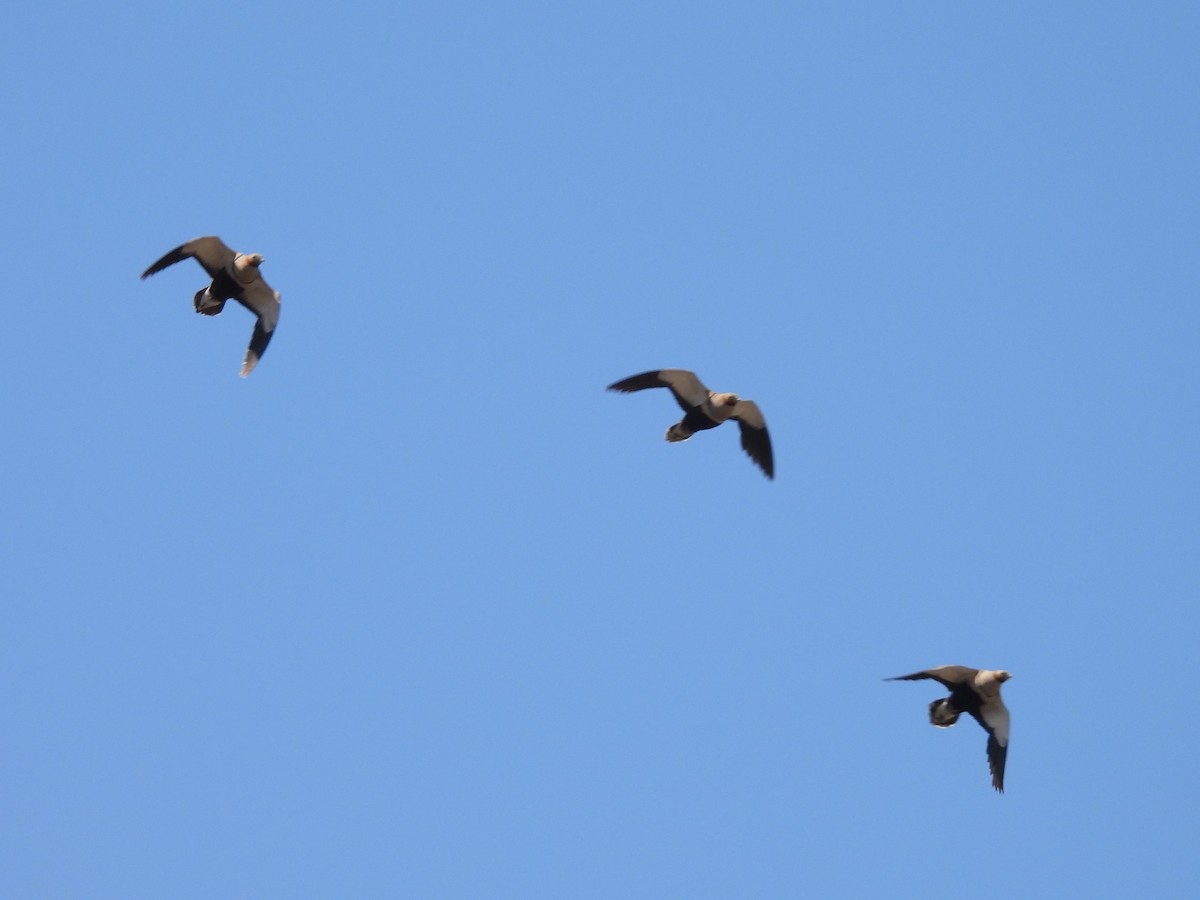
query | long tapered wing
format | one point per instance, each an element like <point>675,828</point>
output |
<point>756,440</point>
<point>993,716</point>
<point>265,303</point>
<point>210,252</point>
<point>685,386</point>
<point>950,676</point>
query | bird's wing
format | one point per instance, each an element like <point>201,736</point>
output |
<point>685,386</point>
<point>756,440</point>
<point>993,716</point>
<point>264,302</point>
<point>258,297</point>
<point>950,676</point>
<point>210,252</point>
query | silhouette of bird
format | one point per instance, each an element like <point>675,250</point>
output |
<point>235,276</point>
<point>974,691</point>
<point>704,409</point>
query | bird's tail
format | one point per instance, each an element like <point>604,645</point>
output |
<point>207,304</point>
<point>942,714</point>
<point>677,433</point>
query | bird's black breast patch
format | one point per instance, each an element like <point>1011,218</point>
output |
<point>224,287</point>
<point>698,420</point>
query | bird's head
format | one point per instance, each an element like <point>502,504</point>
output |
<point>1003,676</point>
<point>245,261</point>
<point>724,399</point>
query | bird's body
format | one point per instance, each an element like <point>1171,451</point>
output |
<point>235,276</point>
<point>716,409</point>
<point>977,693</point>
<point>704,409</point>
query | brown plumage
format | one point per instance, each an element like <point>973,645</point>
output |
<point>974,691</point>
<point>704,409</point>
<point>235,276</point>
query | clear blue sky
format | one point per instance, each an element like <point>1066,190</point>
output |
<point>419,610</point>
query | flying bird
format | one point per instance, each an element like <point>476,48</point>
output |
<point>974,691</point>
<point>235,276</point>
<point>704,409</point>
